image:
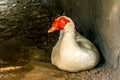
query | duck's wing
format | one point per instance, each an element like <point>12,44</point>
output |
<point>84,42</point>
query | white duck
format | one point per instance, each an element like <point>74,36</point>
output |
<point>72,52</point>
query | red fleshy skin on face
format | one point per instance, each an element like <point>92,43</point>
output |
<point>60,23</point>
<point>55,25</point>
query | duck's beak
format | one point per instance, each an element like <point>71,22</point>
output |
<point>52,29</point>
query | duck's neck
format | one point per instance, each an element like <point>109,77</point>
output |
<point>69,28</point>
<point>69,31</point>
<point>68,34</point>
<point>68,39</point>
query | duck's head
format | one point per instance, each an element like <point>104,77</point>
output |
<point>59,23</point>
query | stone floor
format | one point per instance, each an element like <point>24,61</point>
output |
<point>39,68</point>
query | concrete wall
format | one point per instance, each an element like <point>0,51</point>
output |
<point>98,20</point>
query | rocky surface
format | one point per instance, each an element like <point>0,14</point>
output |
<point>26,22</point>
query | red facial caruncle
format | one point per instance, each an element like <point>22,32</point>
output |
<point>58,24</point>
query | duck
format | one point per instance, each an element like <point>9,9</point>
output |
<point>72,52</point>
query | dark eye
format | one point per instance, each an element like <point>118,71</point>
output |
<point>62,20</point>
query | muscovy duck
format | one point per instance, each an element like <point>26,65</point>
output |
<point>73,52</point>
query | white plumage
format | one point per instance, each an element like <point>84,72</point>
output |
<point>73,52</point>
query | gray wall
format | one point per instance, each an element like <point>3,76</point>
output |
<point>98,20</point>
